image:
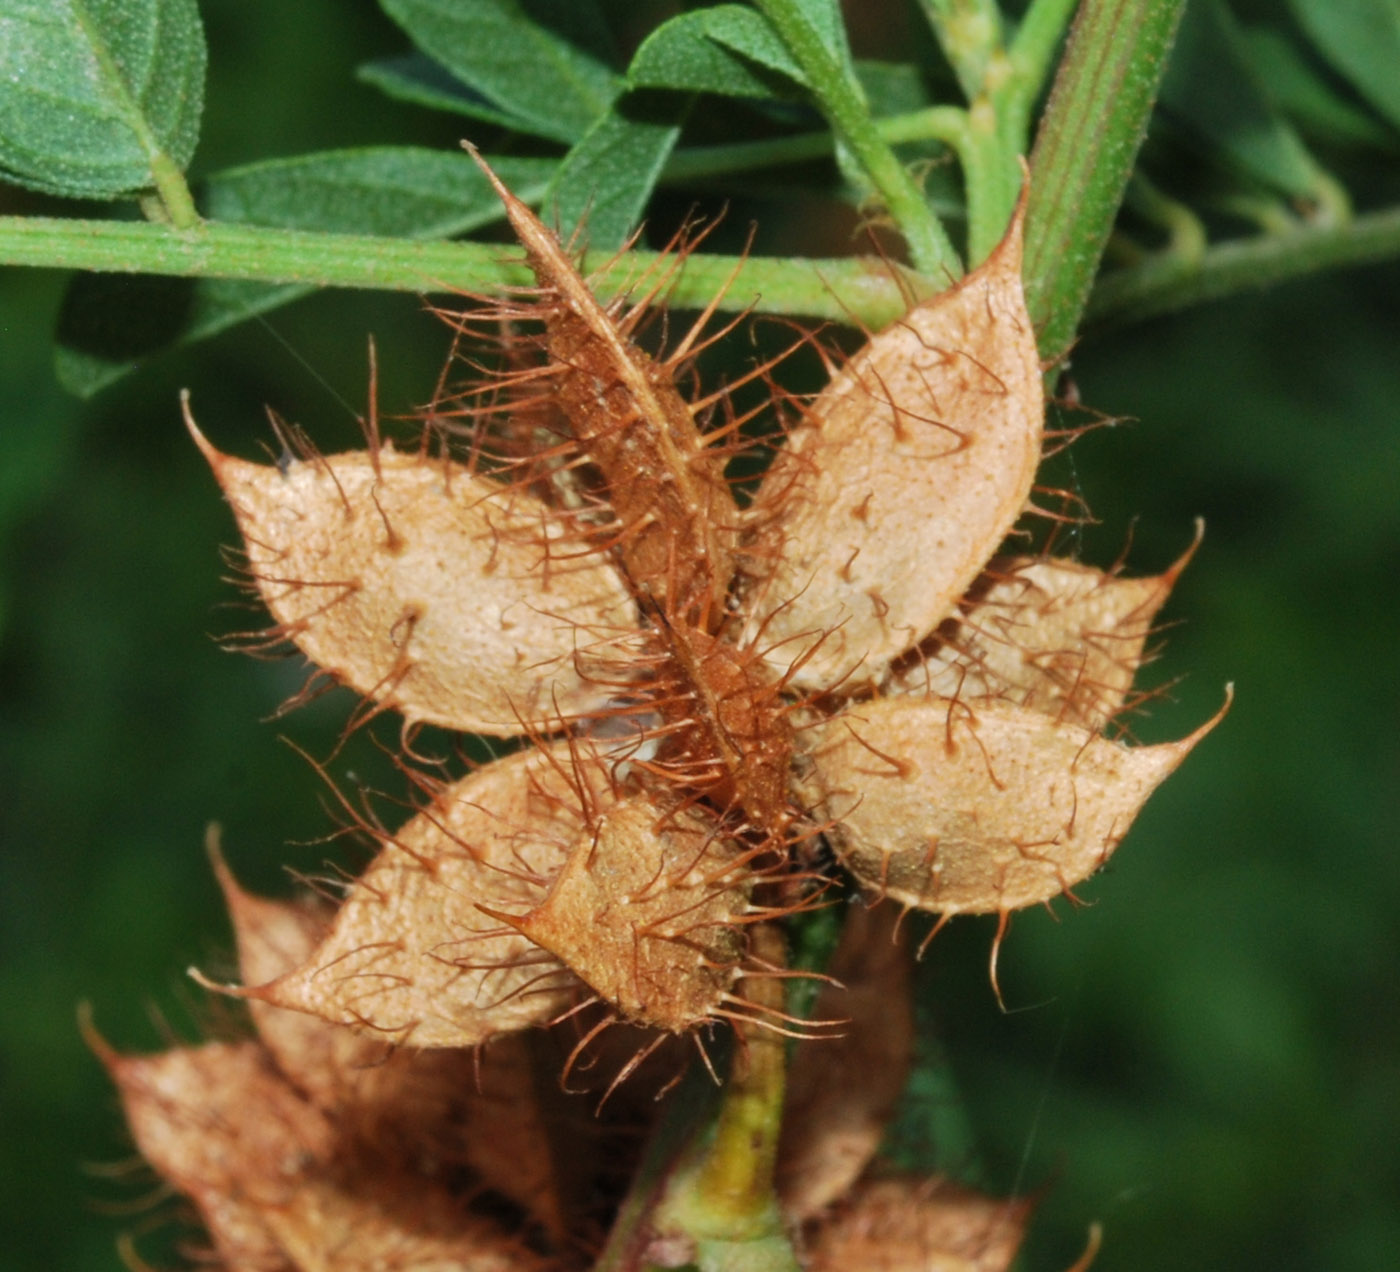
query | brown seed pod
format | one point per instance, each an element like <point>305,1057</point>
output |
<point>278,1185</point>
<point>920,1225</point>
<point>676,520</point>
<point>414,954</point>
<point>1055,636</point>
<point>439,594</point>
<point>647,912</point>
<point>478,1108</point>
<point>901,480</point>
<point>187,1110</point>
<point>842,1091</point>
<point>982,806</point>
<point>370,1222</point>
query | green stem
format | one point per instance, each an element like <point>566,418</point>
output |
<point>1084,154</point>
<point>175,196</point>
<point>1031,54</point>
<point>859,290</point>
<point>969,32</point>
<point>1169,281</point>
<point>947,124</point>
<point>1186,235</point>
<point>723,1200</point>
<point>840,101</point>
<point>992,180</point>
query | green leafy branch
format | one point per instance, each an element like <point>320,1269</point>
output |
<point>97,108</point>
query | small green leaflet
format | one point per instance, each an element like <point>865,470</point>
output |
<point>95,93</point>
<point>543,65</point>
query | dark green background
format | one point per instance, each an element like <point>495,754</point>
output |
<point>1206,1058</point>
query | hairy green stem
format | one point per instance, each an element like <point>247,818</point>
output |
<point>1171,280</point>
<point>847,290</point>
<point>840,101</point>
<point>864,291</point>
<point>1031,54</point>
<point>969,32</point>
<point>1084,154</point>
<point>947,124</point>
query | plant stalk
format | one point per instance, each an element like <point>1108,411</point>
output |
<point>1171,280</point>
<point>851,290</point>
<point>839,99</point>
<point>722,1201</point>
<point>1084,154</point>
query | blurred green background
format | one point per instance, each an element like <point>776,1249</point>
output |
<point>1206,1058</point>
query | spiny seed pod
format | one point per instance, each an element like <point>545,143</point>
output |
<point>979,806</point>
<point>454,1107</point>
<point>436,593</point>
<point>414,953</point>
<point>276,1184</point>
<point>1055,636</point>
<point>902,478</point>
<point>647,912</point>
<point>676,521</point>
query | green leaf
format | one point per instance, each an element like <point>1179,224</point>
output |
<point>1297,88</point>
<point>94,94</point>
<point>1361,39</point>
<point>824,16</point>
<point>542,62</point>
<point>1210,88</point>
<point>892,88</point>
<point>110,323</point>
<point>399,191</point>
<point>606,180</point>
<point>728,49</point>
<point>420,81</point>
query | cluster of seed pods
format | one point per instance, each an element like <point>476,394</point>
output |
<point>722,705</point>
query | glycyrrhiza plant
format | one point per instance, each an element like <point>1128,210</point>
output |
<point>743,685</point>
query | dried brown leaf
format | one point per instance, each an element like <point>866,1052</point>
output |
<point>842,1091</point>
<point>645,912</point>
<point>436,593</point>
<point>413,956</point>
<point>1055,636</point>
<point>912,1225</point>
<point>903,477</point>
<point>977,807</point>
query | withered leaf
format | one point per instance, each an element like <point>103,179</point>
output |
<point>900,481</point>
<point>645,912</point>
<point>979,806</point>
<point>443,595</point>
<point>913,1225</point>
<point>842,1091</point>
<point>1055,636</point>
<point>413,956</point>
